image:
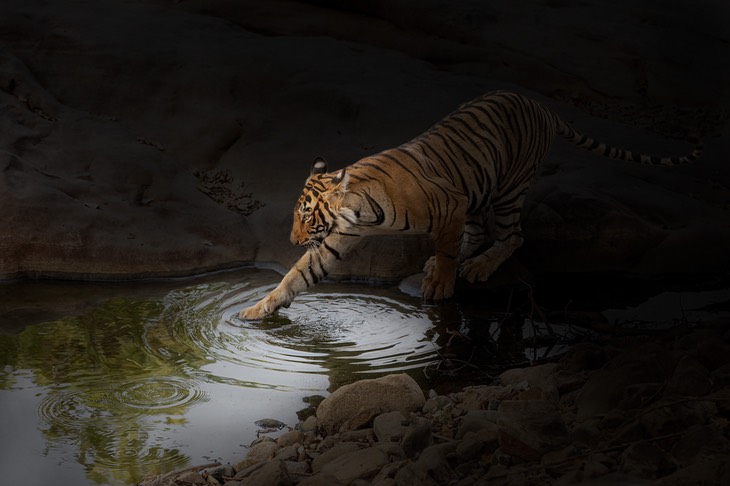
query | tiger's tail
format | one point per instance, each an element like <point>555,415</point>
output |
<point>600,148</point>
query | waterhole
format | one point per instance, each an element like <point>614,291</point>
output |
<point>106,383</point>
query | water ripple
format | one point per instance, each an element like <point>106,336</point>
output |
<point>155,394</point>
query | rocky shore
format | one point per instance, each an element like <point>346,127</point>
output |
<point>650,409</point>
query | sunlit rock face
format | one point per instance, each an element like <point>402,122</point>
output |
<point>168,138</point>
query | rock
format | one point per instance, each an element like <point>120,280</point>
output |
<point>391,426</point>
<point>475,444</point>
<point>431,468</point>
<point>288,453</point>
<point>690,378</point>
<point>712,471</point>
<point>645,460</point>
<point>721,375</point>
<point>309,425</point>
<point>258,453</point>
<point>699,443</point>
<point>529,429</point>
<point>671,416</point>
<point>361,419</point>
<point>605,388</point>
<point>290,438</point>
<point>360,464</point>
<point>437,403</point>
<point>478,397</point>
<point>273,473</point>
<point>540,376</point>
<point>417,436</point>
<point>397,392</point>
<point>321,479</point>
<point>476,420</point>
<point>343,448</point>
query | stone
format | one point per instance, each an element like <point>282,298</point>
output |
<point>391,426</point>
<point>288,453</point>
<point>417,436</point>
<point>297,468</point>
<point>431,468</point>
<point>273,473</point>
<point>529,429</point>
<point>645,460</point>
<point>604,389</point>
<point>476,420</point>
<point>290,438</point>
<point>478,397</point>
<point>540,376</point>
<point>398,392</point>
<point>475,444</point>
<point>360,464</point>
<point>721,375</point>
<point>438,402</point>
<point>360,420</point>
<point>342,448</point>
<point>690,378</point>
<point>258,453</point>
<point>670,416</point>
<point>309,425</point>
<point>700,441</point>
<point>321,479</point>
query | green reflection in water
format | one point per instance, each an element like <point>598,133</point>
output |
<point>114,380</point>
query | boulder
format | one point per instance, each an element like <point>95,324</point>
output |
<point>398,392</point>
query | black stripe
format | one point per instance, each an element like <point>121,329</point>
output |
<point>332,250</point>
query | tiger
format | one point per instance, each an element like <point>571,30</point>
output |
<point>479,159</point>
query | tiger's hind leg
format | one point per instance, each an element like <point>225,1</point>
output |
<point>508,239</point>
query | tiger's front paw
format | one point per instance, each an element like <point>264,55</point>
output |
<point>438,284</point>
<point>257,312</point>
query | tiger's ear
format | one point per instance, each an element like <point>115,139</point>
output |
<point>319,166</point>
<point>340,182</point>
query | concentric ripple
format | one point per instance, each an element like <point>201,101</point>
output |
<point>156,394</point>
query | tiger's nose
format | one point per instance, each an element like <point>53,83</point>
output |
<point>295,240</point>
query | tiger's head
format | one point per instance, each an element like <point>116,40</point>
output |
<point>320,209</point>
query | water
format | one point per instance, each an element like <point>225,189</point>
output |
<point>105,383</point>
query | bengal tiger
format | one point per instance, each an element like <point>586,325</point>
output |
<point>444,182</point>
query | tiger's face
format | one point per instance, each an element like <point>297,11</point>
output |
<point>316,213</point>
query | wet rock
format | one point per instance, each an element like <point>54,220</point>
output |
<point>397,392</point>
<point>360,464</point>
<point>274,473</point>
<point>528,429</point>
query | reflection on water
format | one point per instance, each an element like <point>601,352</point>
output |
<point>109,383</point>
<point>154,377</point>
